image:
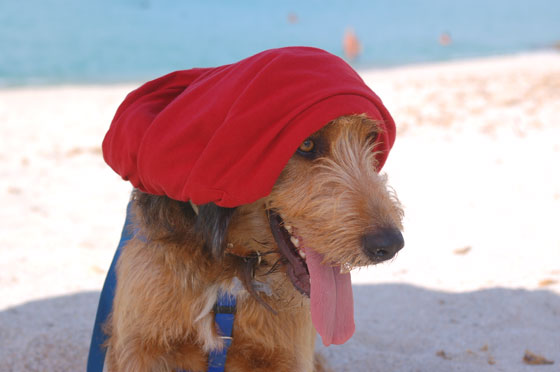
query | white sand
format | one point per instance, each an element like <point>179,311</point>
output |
<point>476,164</point>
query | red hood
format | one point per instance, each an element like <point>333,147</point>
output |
<point>224,134</point>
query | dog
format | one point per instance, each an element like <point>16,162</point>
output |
<point>329,202</point>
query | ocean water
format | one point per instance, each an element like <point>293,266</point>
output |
<point>102,41</point>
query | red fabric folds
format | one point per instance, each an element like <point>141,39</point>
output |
<point>224,134</point>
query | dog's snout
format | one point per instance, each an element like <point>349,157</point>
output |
<point>383,244</point>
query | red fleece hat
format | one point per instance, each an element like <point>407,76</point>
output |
<point>224,134</point>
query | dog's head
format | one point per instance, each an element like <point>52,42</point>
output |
<point>329,198</point>
<point>329,211</point>
<point>330,201</point>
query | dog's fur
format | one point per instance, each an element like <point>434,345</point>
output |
<point>170,273</point>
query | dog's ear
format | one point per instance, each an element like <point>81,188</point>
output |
<point>212,224</point>
<point>164,219</point>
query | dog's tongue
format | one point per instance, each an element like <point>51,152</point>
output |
<point>332,304</point>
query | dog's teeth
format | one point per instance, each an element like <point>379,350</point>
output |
<point>288,228</point>
<point>294,241</point>
<point>302,254</point>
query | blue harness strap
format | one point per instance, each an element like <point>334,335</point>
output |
<point>96,357</point>
<point>224,313</point>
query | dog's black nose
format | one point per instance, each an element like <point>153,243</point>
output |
<point>383,244</point>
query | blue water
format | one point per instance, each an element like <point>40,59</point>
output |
<point>99,41</point>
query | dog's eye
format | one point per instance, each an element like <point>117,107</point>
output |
<point>307,146</point>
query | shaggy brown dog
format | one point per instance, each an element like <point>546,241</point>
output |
<point>329,197</point>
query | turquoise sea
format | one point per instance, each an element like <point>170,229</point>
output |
<point>102,41</point>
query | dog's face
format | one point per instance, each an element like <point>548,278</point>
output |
<point>328,201</point>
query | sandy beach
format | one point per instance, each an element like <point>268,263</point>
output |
<point>476,166</point>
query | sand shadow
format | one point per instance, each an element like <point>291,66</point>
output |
<point>399,327</point>
<point>406,328</point>
<point>48,335</point>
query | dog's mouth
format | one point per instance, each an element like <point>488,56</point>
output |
<point>289,247</point>
<point>328,287</point>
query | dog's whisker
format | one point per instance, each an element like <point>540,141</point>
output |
<point>247,280</point>
<point>268,252</point>
<point>276,266</point>
<point>263,244</point>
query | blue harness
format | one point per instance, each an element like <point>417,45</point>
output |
<point>224,313</point>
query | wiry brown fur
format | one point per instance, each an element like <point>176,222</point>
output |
<point>169,275</point>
